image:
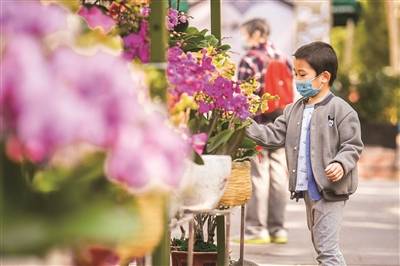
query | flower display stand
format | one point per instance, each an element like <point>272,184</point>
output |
<point>205,198</point>
<point>223,238</point>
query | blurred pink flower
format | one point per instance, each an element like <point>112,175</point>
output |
<point>95,17</point>
<point>14,149</point>
<point>147,155</point>
<point>56,99</point>
<point>103,82</point>
<point>30,17</point>
<point>172,18</point>
<point>198,141</point>
<point>145,11</point>
<point>39,109</point>
<point>136,44</point>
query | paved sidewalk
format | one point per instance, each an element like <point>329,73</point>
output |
<point>370,232</point>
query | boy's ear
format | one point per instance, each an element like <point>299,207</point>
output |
<point>325,77</point>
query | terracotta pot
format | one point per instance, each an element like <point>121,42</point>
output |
<point>96,256</point>
<point>179,258</point>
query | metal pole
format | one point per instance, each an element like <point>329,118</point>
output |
<point>158,45</point>
<point>242,219</point>
<point>161,254</point>
<point>190,243</point>
<point>393,27</point>
<point>227,239</point>
<point>215,6</point>
<point>348,47</point>
<point>221,240</point>
<point>158,32</point>
<point>216,19</point>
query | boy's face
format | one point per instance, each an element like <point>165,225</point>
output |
<point>303,71</point>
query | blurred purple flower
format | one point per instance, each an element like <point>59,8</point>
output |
<point>205,107</point>
<point>173,54</point>
<point>190,75</point>
<point>30,17</point>
<point>185,73</point>
<point>40,110</point>
<point>95,17</point>
<point>145,11</point>
<point>136,44</point>
<point>172,18</point>
<point>58,99</point>
<point>198,142</point>
<point>157,163</point>
<point>183,18</point>
<point>113,96</point>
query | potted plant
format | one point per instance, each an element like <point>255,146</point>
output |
<point>203,97</point>
<point>210,105</point>
<point>205,250</point>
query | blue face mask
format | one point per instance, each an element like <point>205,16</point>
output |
<point>306,89</point>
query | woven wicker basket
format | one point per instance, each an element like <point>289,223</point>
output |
<point>238,190</point>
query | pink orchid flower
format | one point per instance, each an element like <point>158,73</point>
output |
<point>198,141</point>
<point>95,17</point>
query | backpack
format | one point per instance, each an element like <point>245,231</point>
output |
<point>278,80</point>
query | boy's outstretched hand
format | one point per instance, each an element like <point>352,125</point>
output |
<point>334,172</point>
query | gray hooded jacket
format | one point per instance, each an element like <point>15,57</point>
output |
<point>335,137</point>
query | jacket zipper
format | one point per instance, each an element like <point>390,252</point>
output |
<point>311,164</point>
<point>300,124</point>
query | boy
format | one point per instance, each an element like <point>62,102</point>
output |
<point>322,138</point>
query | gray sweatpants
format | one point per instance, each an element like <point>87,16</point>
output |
<point>266,208</point>
<point>324,220</point>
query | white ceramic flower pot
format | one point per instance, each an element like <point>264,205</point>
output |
<point>203,185</point>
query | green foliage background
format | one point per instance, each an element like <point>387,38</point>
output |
<point>369,74</point>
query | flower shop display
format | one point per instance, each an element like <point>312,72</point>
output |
<point>93,156</point>
<point>73,125</point>
<point>206,99</point>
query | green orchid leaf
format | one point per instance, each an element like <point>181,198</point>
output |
<point>198,123</point>
<point>244,155</point>
<point>50,180</point>
<point>197,159</point>
<point>192,30</point>
<point>243,124</point>
<point>203,32</point>
<point>219,139</point>
<point>81,207</point>
<point>224,47</point>
<point>212,40</point>
<point>248,143</point>
<point>54,177</point>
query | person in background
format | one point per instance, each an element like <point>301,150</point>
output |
<point>266,209</point>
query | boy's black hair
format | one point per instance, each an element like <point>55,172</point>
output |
<point>320,56</point>
<point>256,24</point>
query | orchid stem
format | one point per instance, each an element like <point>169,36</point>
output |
<point>213,123</point>
<point>236,141</point>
